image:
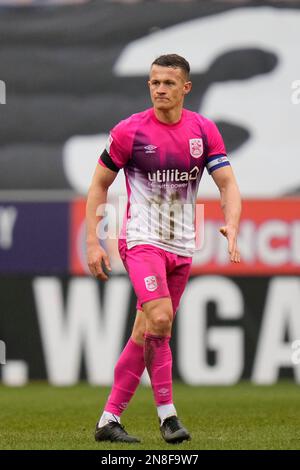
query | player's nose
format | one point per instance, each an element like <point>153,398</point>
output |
<point>161,89</point>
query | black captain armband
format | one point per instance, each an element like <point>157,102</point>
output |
<point>107,160</point>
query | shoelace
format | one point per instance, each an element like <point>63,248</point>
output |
<point>172,423</point>
<point>119,425</point>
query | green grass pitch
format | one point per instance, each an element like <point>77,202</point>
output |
<point>240,417</point>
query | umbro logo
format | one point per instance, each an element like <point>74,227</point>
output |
<point>163,392</point>
<point>150,148</point>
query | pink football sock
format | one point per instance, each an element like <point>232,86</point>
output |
<point>158,360</point>
<point>128,372</point>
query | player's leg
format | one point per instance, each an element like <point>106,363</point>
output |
<point>158,356</point>
<point>149,278</point>
<point>146,269</point>
<point>158,360</point>
<point>127,374</point>
<point>178,273</point>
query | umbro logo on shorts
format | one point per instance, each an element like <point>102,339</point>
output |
<point>151,283</point>
<point>150,148</point>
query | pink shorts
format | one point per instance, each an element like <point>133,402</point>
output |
<point>155,273</point>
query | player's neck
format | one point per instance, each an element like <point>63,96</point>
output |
<point>169,116</point>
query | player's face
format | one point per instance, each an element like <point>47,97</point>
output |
<point>168,87</point>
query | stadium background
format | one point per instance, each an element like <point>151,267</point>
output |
<point>71,72</point>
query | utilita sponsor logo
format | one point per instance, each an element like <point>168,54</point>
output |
<point>166,176</point>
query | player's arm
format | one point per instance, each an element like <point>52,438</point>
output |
<point>231,207</point>
<point>97,197</point>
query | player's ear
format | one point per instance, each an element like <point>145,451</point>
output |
<point>187,87</point>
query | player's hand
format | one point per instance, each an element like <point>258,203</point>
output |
<point>231,234</point>
<point>98,261</point>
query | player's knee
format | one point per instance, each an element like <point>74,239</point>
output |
<point>163,324</point>
<point>161,321</point>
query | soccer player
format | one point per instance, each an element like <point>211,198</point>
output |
<point>163,152</point>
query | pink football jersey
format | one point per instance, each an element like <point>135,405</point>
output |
<point>163,165</point>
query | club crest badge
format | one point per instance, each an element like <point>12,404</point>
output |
<point>151,283</point>
<point>196,147</point>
